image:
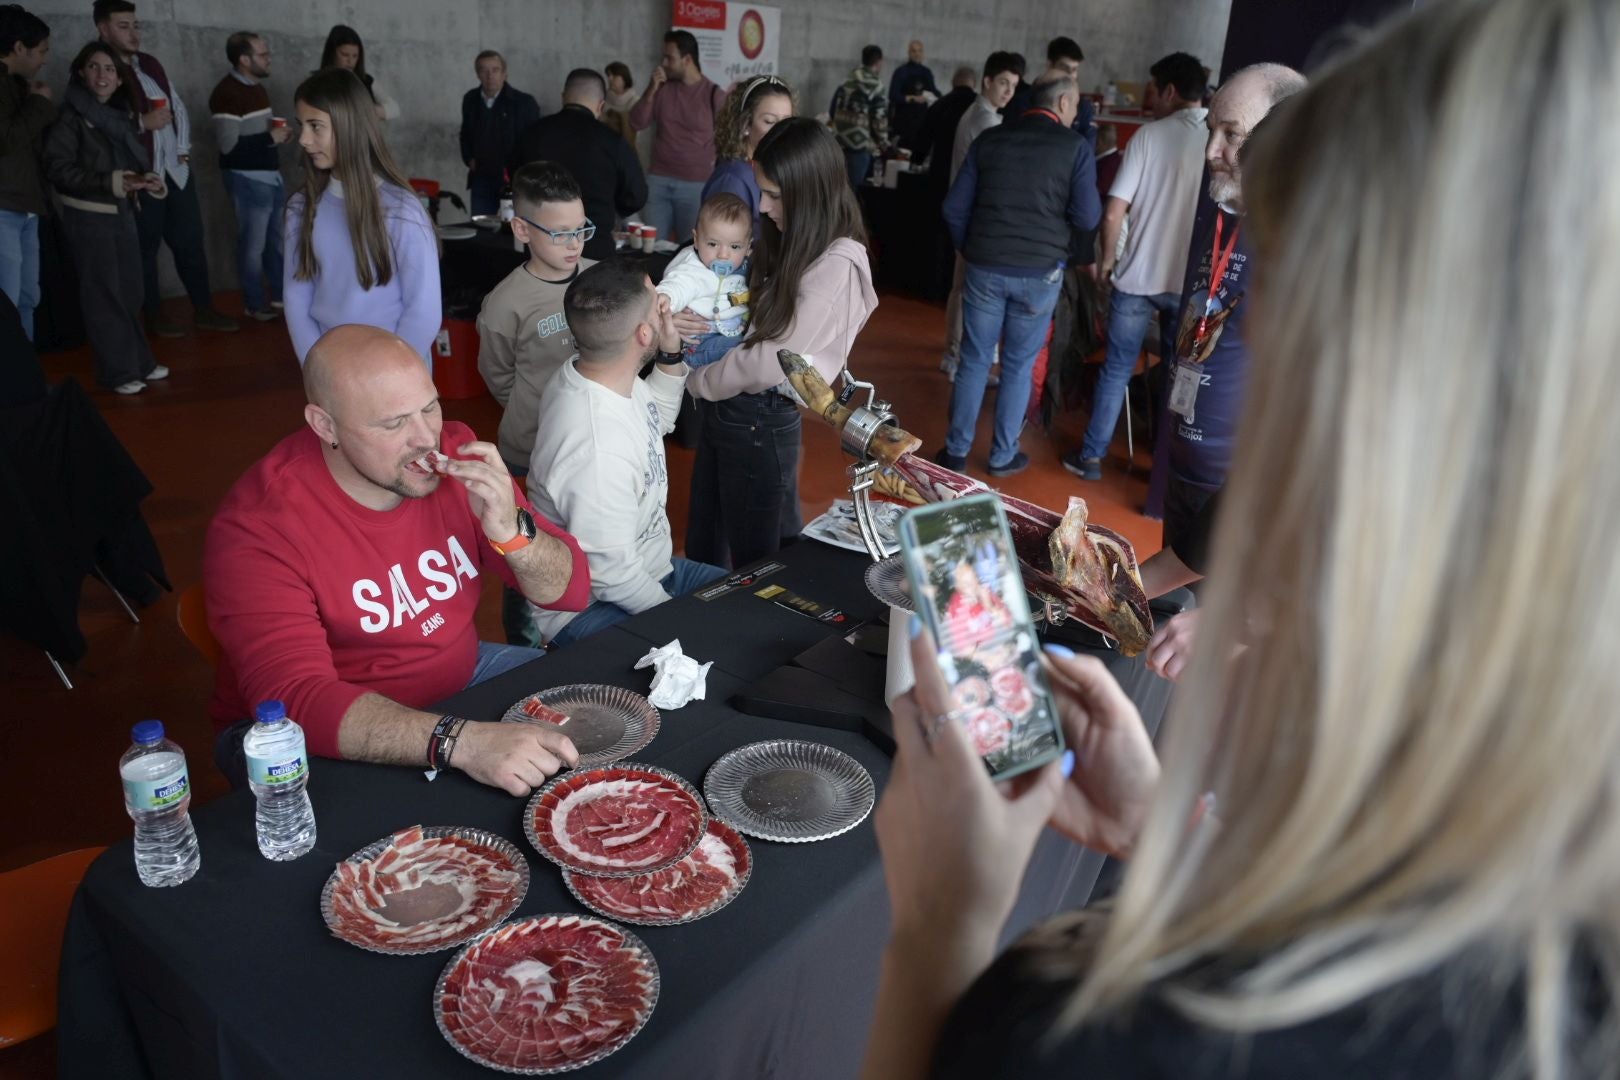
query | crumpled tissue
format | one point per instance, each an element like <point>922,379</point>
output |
<point>677,678</point>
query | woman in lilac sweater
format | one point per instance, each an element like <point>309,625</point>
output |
<point>367,253</point>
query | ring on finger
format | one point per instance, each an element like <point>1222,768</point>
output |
<point>931,727</point>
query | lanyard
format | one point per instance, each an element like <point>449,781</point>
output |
<point>1218,260</point>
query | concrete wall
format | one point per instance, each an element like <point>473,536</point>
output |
<point>422,52</point>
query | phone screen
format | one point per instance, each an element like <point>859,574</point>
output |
<point>967,589</point>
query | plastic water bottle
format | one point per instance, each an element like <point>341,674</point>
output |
<point>157,794</point>
<point>278,772</point>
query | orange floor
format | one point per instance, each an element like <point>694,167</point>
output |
<point>230,398</point>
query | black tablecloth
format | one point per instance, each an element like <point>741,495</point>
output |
<point>233,974</point>
<point>910,249</point>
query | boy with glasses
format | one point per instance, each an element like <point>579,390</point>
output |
<point>523,334</point>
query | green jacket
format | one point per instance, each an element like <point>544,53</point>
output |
<point>23,117</point>
<point>860,112</point>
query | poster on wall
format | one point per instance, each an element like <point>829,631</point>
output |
<point>735,41</point>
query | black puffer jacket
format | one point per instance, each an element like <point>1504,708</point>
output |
<point>88,150</point>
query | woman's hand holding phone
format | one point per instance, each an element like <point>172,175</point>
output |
<point>1116,771</point>
<point>954,846</point>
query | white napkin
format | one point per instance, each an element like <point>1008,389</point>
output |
<point>677,678</point>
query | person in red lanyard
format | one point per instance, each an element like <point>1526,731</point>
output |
<point>1206,387</point>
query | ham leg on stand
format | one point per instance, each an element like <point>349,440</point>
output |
<point>1085,570</point>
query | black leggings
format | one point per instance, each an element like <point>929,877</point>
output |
<point>745,482</point>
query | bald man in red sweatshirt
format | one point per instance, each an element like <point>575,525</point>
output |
<point>342,575</point>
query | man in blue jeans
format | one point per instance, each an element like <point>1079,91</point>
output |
<point>26,110</point>
<point>249,162</point>
<point>1021,188</point>
<point>1157,185</point>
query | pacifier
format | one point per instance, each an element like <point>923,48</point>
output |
<point>723,267</point>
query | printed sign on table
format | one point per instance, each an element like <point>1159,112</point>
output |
<point>735,41</point>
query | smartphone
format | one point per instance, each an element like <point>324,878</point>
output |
<point>967,589</point>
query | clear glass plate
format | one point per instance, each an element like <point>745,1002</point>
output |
<point>589,889</point>
<point>546,799</point>
<point>561,923</point>
<point>886,580</point>
<point>789,790</point>
<point>500,850</point>
<point>606,723</point>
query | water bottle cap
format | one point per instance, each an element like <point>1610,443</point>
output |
<point>270,712</point>
<point>147,731</point>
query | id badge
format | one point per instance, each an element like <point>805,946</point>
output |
<point>1184,391</point>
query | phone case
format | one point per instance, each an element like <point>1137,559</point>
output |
<point>967,589</point>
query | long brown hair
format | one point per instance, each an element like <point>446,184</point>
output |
<point>803,159</point>
<point>339,36</point>
<point>362,158</point>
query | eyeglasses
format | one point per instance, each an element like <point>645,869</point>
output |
<point>562,239</point>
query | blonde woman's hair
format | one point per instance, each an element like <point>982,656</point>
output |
<point>1420,756</point>
<point>737,113</point>
<point>362,160</point>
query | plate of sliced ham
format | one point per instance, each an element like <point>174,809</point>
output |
<point>605,723</point>
<point>699,885</point>
<point>547,994</point>
<point>616,820</point>
<point>424,889</point>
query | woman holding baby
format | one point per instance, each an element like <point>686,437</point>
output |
<point>810,291</point>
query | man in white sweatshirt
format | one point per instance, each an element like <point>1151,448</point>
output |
<point>598,466</point>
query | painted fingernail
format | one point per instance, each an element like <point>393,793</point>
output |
<point>1062,652</point>
<point>916,626</point>
<point>1068,764</point>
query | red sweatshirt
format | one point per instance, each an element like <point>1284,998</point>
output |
<point>316,600</point>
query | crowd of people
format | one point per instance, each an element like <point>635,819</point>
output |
<point>1354,853</point>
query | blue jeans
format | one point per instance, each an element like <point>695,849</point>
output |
<point>484,192</point>
<point>497,659</point>
<point>859,163</point>
<point>258,236</point>
<point>686,577</point>
<point>1128,316</point>
<point>709,348</point>
<point>672,206</point>
<point>1016,311</point>
<point>19,263</point>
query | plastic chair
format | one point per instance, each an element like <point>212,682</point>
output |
<point>34,903</point>
<point>192,614</point>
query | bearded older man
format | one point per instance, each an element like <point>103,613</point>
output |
<point>1206,395</point>
<point>342,575</point>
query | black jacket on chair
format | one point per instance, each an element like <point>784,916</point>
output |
<point>488,131</point>
<point>601,160</point>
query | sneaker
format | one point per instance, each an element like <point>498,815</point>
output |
<point>947,364</point>
<point>209,319</point>
<point>163,326</point>
<point>157,374</point>
<point>276,305</point>
<point>950,460</point>
<point>1018,464</point>
<point>1086,468</point>
<point>263,315</point>
<point>134,386</point>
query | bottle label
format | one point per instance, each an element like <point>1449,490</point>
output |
<point>279,771</point>
<point>163,793</point>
